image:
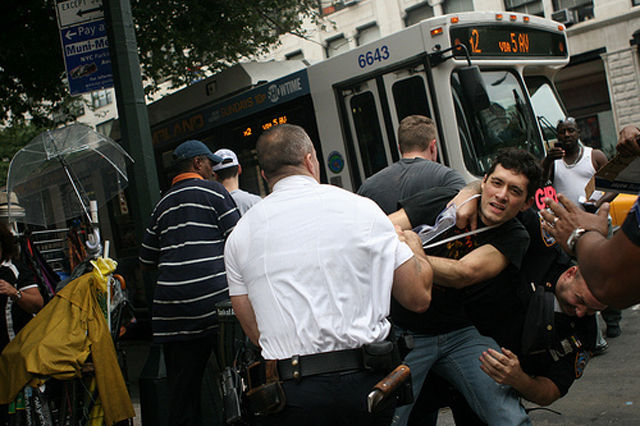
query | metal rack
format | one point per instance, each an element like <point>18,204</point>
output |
<point>52,244</point>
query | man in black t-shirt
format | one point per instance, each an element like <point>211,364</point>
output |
<point>466,267</point>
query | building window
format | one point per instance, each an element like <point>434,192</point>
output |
<point>455,6</point>
<point>635,2</point>
<point>572,11</point>
<point>336,46</point>
<point>101,98</point>
<point>532,7</point>
<point>297,55</point>
<point>327,7</point>
<point>367,34</point>
<point>417,14</point>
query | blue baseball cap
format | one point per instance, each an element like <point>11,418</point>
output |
<point>193,148</point>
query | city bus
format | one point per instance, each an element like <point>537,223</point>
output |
<point>484,77</point>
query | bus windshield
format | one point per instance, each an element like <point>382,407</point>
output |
<point>546,106</point>
<point>507,121</point>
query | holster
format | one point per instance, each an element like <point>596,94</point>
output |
<point>386,356</point>
<point>265,394</point>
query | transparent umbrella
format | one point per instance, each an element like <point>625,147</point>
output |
<point>60,171</point>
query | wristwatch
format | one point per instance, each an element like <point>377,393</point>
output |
<point>572,241</point>
<point>17,296</point>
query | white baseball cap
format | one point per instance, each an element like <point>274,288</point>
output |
<point>229,159</point>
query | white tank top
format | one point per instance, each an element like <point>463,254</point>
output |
<point>571,179</point>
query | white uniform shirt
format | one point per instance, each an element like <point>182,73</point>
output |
<point>317,263</point>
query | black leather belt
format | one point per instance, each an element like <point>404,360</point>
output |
<point>300,366</point>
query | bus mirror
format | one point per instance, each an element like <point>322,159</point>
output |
<point>473,87</point>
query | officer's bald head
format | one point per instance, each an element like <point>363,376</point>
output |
<point>574,295</point>
<point>283,149</point>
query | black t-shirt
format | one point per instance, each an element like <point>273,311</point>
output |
<point>450,308</point>
<point>21,278</point>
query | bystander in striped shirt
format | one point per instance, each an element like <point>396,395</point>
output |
<point>185,241</point>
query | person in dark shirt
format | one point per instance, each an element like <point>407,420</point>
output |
<point>416,171</point>
<point>464,267</point>
<point>552,333</point>
<point>20,298</point>
<point>185,243</point>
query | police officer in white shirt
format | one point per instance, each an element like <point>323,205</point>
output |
<point>311,271</point>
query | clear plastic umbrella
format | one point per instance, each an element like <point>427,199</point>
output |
<point>60,171</point>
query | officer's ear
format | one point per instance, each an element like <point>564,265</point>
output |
<point>527,205</point>
<point>572,272</point>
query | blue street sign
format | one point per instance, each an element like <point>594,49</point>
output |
<point>86,57</point>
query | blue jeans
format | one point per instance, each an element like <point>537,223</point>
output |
<point>455,356</point>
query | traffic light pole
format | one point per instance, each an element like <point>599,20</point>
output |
<point>144,188</point>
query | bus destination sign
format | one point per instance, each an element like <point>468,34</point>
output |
<point>508,41</point>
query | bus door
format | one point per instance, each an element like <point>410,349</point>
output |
<point>406,90</point>
<point>369,140</point>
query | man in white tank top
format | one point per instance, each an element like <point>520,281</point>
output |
<point>569,165</point>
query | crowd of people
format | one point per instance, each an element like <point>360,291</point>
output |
<point>485,295</point>
<point>337,289</point>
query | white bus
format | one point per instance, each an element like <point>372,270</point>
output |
<point>351,104</point>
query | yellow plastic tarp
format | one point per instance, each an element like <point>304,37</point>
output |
<point>56,343</point>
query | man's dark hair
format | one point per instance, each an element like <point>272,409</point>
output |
<point>415,133</point>
<point>7,243</point>
<point>522,162</point>
<point>227,172</point>
<point>280,146</point>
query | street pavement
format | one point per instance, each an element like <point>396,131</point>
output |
<point>607,394</point>
<point>609,391</point>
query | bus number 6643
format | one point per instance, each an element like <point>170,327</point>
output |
<point>378,55</point>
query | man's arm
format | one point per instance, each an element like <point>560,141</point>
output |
<point>400,219</point>
<point>466,214</point>
<point>553,154</point>
<point>412,281</point>
<point>599,160</point>
<point>505,369</point>
<point>610,267</point>
<point>467,208</point>
<point>246,316</point>
<point>481,264</point>
<point>31,300</point>
<point>629,142</point>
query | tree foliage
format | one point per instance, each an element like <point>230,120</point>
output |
<point>177,40</point>
<point>12,139</point>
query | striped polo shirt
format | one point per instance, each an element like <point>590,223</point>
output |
<point>185,241</point>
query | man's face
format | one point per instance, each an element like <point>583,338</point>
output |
<point>204,167</point>
<point>504,194</point>
<point>568,134</point>
<point>574,296</point>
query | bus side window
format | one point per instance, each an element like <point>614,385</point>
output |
<point>410,97</point>
<point>369,136</point>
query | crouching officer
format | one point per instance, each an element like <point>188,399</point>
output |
<point>311,271</point>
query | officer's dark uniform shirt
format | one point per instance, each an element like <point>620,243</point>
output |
<point>447,311</point>
<point>545,263</point>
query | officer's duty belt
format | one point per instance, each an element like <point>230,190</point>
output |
<point>300,366</point>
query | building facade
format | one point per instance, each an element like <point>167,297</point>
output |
<point>600,86</point>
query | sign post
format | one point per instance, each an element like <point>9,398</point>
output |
<point>85,47</point>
